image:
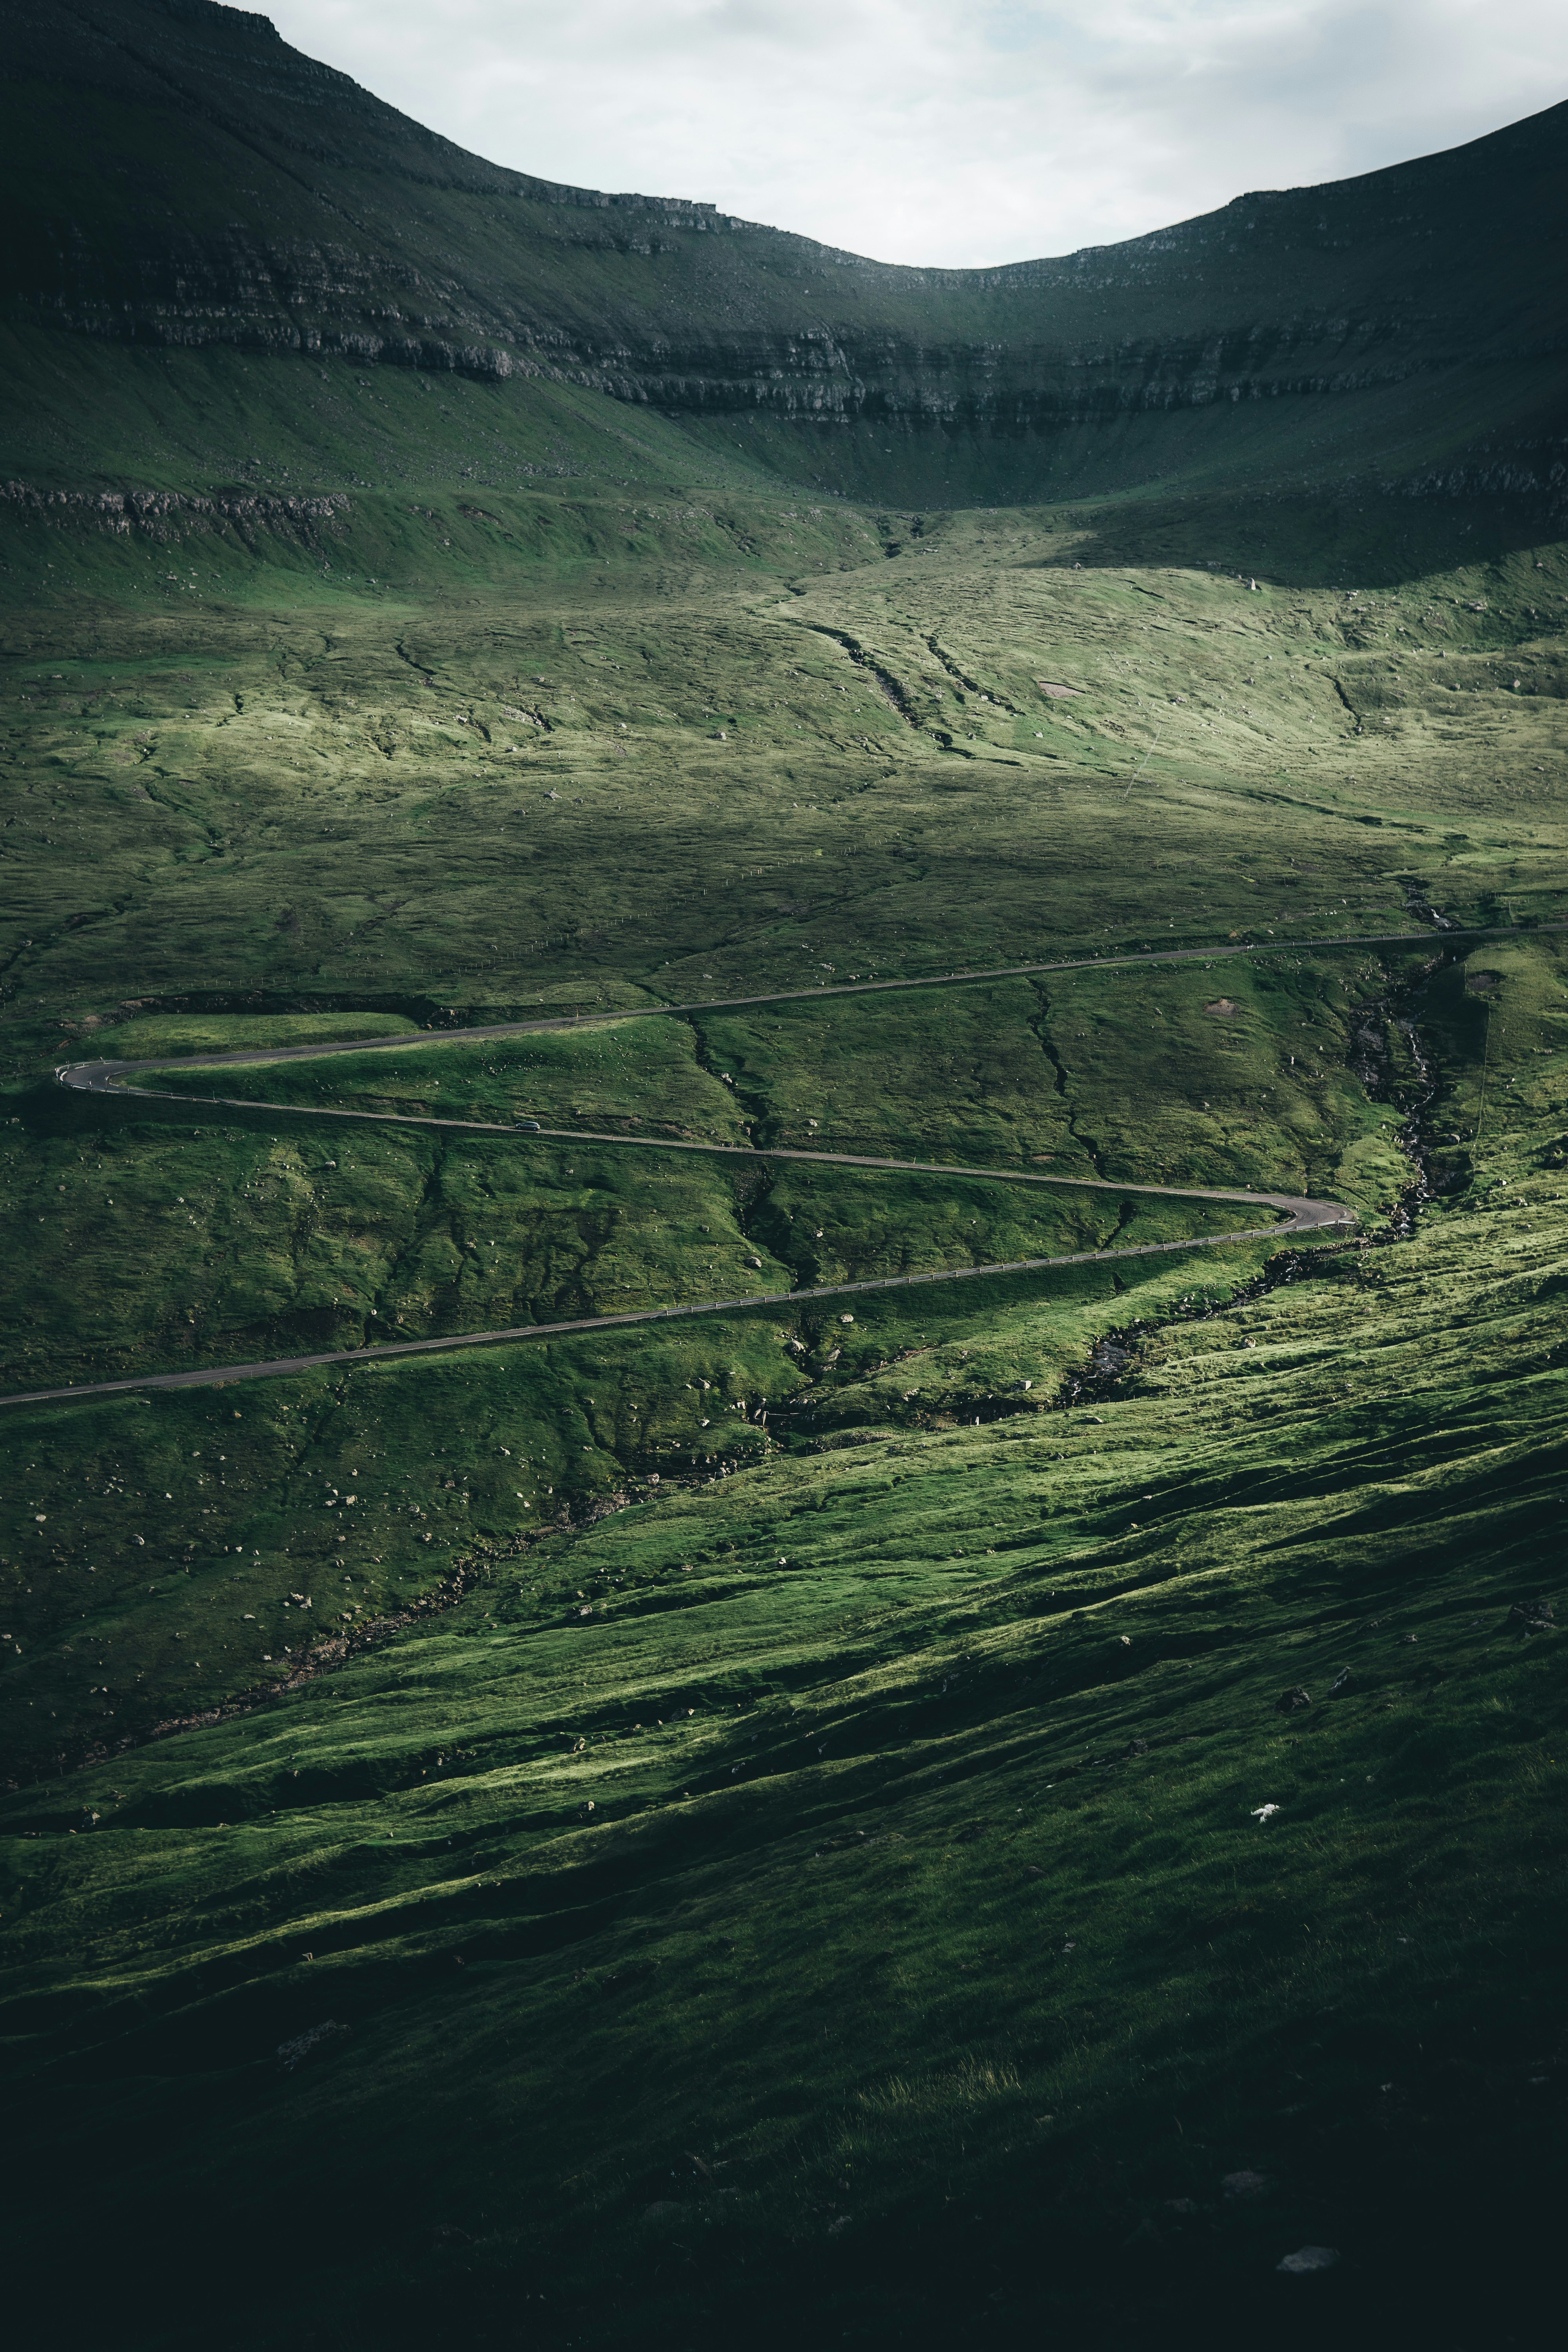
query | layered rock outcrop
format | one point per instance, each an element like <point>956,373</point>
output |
<point>295,212</point>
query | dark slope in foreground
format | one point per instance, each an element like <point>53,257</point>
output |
<point>176,175</point>
<point>823,1896</point>
<point>829,1904</point>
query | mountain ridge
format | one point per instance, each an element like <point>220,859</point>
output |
<point>1007,1808</point>
<point>399,248</point>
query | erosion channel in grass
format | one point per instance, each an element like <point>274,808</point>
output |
<point>984,1813</point>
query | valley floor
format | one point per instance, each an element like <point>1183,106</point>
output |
<point>947,1811</point>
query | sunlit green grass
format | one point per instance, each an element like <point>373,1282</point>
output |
<point>862,1832</point>
<point>850,1633</point>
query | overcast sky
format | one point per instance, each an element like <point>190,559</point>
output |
<point>917,131</point>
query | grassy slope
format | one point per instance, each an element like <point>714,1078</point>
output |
<point>858,1737</point>
<point>281,817</point>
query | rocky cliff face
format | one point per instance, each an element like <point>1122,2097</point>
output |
<point>179,175</point>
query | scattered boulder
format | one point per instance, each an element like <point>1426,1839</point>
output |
<point>1340,1682</point>
<point>1136,1748</point>
<point>1246,2184</point>
<point>1532,1617</point>
<point>1310,2258</point>
<point>1289,1701</point>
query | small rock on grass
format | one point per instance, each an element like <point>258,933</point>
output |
<point>1310,2258</point>
<point>1289,1701</point>
<point>1246,2184</point>
<point>310,2044</point>
<point>1532,1616</point>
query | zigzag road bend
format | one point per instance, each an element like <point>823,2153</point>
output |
<point>762,1666</point>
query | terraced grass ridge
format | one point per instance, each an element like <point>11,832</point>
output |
<point>784,1120</point>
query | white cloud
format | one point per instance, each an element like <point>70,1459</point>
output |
<point>921,132</point>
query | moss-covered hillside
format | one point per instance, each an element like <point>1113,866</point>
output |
<point>1010,1809</point>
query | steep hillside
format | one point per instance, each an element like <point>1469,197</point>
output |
<point>177,176</point>
<point>1012,1808</point>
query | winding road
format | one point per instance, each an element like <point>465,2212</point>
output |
<point>1293,1215</point>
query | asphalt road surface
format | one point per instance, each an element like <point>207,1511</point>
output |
<point>1292,1214</point>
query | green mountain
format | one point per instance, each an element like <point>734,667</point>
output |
<point>783,1388</point>
<point>179,179</point>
